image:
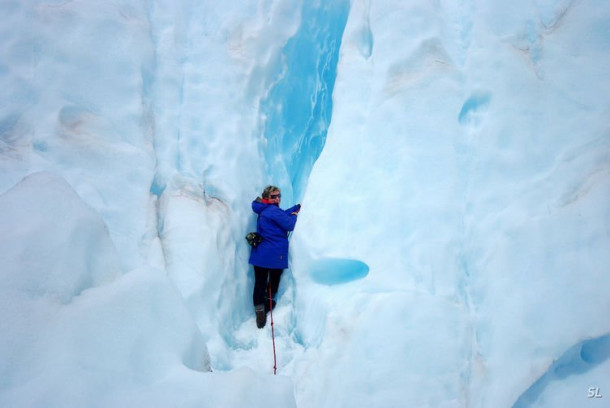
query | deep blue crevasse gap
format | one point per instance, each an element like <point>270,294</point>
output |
<point>298,108</point>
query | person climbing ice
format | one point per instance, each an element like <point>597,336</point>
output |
<point>270,256</point>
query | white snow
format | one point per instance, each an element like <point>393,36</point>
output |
<point>452,159</point>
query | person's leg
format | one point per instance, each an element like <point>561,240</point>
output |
<point>260,285</point>
<point>274,281</point>
<point>261,275</point>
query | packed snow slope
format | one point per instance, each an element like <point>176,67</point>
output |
<point>453,163</point>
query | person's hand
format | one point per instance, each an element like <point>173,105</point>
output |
<point>297,211</point>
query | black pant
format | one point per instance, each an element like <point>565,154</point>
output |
<point>263,278</point>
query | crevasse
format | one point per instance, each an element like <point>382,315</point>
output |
<point>298,108</point>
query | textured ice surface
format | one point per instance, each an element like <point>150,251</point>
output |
<point>459,149</point>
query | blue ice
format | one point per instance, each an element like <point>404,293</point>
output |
<point>298,107</point>
<point>579,359</point>
<point>475,104</point>
<point>333,271</point>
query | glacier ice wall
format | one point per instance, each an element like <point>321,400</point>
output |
<point>148,111</point>
<point>464,168</point>
<point>467,165</point>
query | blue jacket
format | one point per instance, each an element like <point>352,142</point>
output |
<point>273,225</point>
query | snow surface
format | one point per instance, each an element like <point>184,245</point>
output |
<point>452,159</point>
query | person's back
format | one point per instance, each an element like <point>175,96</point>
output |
<point>273,226</point>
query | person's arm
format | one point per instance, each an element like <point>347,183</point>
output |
<point>294,210</point>
<point>285,220</point>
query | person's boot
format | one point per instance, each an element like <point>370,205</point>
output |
<point>261,316</point>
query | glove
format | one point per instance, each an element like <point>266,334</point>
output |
<point>296,211</point>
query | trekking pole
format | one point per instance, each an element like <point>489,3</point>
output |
<point>272,332</point>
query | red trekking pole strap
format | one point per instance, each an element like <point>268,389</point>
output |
<point>272,331</point>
